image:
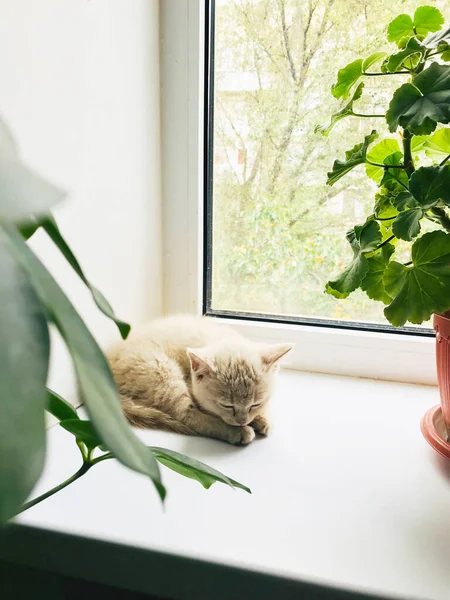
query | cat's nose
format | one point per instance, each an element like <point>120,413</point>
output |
<point>242,419</point>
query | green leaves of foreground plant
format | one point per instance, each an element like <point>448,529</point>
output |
<point>354,157</point>
<point>363,240</point>
<point>426,19</point>
<point>188,467</point>
<point>94,377</point>
<point>420,106</point>
<point>52,229</point>
<point>194,469</point>
<point>423,289</point>
<point>24,355</point>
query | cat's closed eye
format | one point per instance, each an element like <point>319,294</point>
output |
<point>230,406</point>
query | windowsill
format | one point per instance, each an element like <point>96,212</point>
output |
<point>346,493</point>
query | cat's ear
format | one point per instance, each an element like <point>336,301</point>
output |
<point>272,354</point>
<point>200,365</point>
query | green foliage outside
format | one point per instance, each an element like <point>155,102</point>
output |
<point>279,229</point>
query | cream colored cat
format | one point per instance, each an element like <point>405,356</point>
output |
<point>194,376</point>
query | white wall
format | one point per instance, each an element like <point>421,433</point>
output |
<point>79,86</point>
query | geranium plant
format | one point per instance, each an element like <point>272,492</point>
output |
<point>410,169</point>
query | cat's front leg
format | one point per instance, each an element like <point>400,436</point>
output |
<point>260,424</point>
<point>212,426</point>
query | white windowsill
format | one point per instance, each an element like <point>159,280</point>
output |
<point>346,493</point>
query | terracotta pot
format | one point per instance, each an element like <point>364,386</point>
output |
<point>441,324</point>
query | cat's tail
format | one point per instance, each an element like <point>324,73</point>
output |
<point>139,415</point>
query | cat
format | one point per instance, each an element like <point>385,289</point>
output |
<point>194,376</point>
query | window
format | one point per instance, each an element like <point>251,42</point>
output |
<point>216,209</point>
<point>276,230</point>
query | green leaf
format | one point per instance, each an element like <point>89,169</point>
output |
<point>404,200</point>
<point>427,19</point>
<point>372,283</point>
<point>363,240</point>
<point>437,146</point>
<point>60,408</point>
<point>346,111</point>
<point>435,40</point>
<point>421,106</point>
<point>401,27</point>
<point>347,78</point>
<point>354,157</point>
<point>95,380</point>
<point>397,60</point>
<point>428,185</point>
<point>423,289</point>
<point>418,143</point>
<point>29,227</point>
<point>24,357</point>
<point>52,229</point>
<point>395,176</point>
<point>377,154</point>
<point>384,209</point>
<point>407,224</point>
<point>83,431</point>
<point>193,469</point>
<point>372,60</point>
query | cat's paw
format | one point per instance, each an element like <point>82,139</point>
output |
<point>261,425</point>
<point>241,436</point>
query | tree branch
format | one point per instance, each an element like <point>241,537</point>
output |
<point>287,44</point>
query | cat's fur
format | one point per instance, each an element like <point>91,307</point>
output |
<point>191,375</point>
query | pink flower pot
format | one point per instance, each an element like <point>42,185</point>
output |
<point>441,324</point>
<point>436,422</point>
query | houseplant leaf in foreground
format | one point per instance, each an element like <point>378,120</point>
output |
<point>424,288</point>
<point>94,377</point>
<point>51,228</point>
<point>23,192</point>
<point>24,355</point>
<point>188,467</point>
<point>60,408</point>
<point>421,106</point>
<point>363,240</point>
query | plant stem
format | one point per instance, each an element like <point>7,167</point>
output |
<point>407,154</point>
<point>386,242</point>
<point>368,116</point>
<point>84,469</point>
<point>369,162</point>
<point>444,161</point>
<point>382,74</point>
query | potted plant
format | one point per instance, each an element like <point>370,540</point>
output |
<point>401,253</point>
<point>31,302</point>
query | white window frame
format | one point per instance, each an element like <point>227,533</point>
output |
<point>388,356</point>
